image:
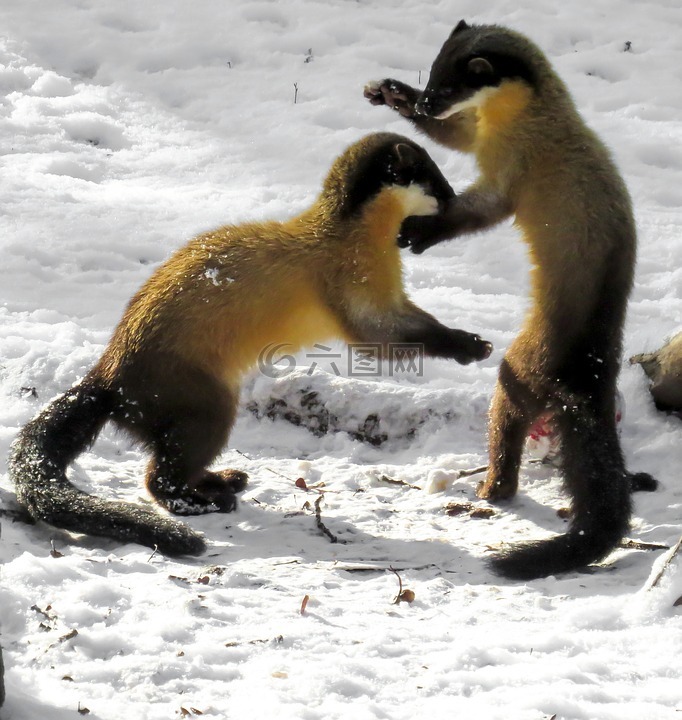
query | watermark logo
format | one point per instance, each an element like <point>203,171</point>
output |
<point>270,361</point>
<point>363,360</point>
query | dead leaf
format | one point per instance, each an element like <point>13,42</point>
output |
<point>45,613</point>
<point>204,580</point>
<point>678,602</point>
<point>68,678</point>
<point>69,635</point>
<point>457,508</point>
<point>83,710</point>
<point>403,595</point>
<point>304,604</point>
<point>482,513</point>
<point>460,508</point>
<point>179,580</point>
<point>300,483</point>
<point>54,552</point>
<point>564,513</point>
<point>280,674</point>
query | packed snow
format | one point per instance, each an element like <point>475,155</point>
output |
<point>128,127</point>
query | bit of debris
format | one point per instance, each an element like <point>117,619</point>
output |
<point>666,564</point>
<point>460,508</point>
<point>393,481</point>
<point>277,640</point>
<point>482,513</point>
<point>69,635</point>
<point>318,518</point>
<point>403,595</point>
<point>185,712</point>
<point>472,471</point>
<point>54,552</point>
<point>637,545</point>
<point>179,580</point>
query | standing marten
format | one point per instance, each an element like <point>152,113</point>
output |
<point>493,93</point>
<point>171,373</point>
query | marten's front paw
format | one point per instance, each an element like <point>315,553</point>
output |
<point>470,348</point>
<point>420,233</point>
<point>396,95</point>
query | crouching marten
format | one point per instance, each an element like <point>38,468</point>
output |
<point>171,373</point>
<point>493,93</point>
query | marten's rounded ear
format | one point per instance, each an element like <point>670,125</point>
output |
<point>479,66</point>
<point>461,25</point>
<point>406,154</point>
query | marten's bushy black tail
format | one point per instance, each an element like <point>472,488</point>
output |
<point>38,462</point>
<point>599,485</point>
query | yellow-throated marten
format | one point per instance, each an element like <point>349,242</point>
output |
<point>171,373</point>
<point>493,93</point>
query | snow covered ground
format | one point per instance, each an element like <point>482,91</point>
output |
<point>127,127</point>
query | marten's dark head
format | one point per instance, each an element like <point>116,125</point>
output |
<point>378,161</point>
<point>474,61</point>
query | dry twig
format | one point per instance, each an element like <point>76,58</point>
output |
<point>318,519</point>
<point>638,545</point>
<point>403,595</point>
<point>393,481</point>
<point>666,564</point>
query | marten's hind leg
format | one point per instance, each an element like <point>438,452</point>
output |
<point>184,423</point>
<point>513,409</point>
<point>177,477</point>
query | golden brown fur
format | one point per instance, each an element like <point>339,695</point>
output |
<point>494,94</point>
<point>172,371</point>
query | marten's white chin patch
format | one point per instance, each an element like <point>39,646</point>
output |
<point>415,201</point>
<point>475,101</point>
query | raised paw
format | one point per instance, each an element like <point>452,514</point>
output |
<point>394,94</point>
<point>469,347</point>
<point>642,482</point>
<point>420,232</point>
